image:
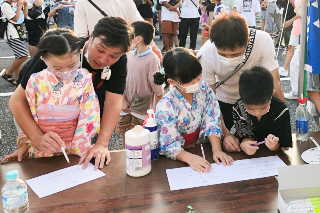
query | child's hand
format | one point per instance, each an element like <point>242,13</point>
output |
<point>205,26</point>
<point>272,142</point>
<point>125,106</point>
<point>247,147</point>
<point>226,159</point>
<point>231,143</point>
<point>198,163</point>
<point>18,154</point>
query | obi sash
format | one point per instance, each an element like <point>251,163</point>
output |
<point>62,120</point>
<point>191,137</point>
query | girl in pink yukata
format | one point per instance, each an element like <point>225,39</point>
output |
<point>61,99</point>
<point>188,112</point>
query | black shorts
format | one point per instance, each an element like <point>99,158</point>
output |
<point>36,28</point>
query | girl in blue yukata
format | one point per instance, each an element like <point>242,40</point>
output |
<point>188,112</point>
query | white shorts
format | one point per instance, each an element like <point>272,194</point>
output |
<point>294,40</point>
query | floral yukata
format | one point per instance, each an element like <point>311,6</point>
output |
<point>69,108</point>
<point>176,117</point>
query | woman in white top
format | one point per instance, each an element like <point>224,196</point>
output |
<point>219,56</point>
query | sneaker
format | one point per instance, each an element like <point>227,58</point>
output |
<point>290,96</point>
<point>283,72</point>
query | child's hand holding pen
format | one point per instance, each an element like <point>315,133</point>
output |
<point>272,142</point>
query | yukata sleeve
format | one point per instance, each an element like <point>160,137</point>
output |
<point>88,126</point>
<point>171,141</point>
<point>240,129</point>
<point>31,95</point>
<point>212,120</point>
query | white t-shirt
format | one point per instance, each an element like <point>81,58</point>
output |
<point>7,12</point>
<point>248,8</point>
<point>30,5</point>
<point>167,15</point>
<point>213,71</point>
<point>231,5</point>
<point>87,16</point>
<point>189,10</point>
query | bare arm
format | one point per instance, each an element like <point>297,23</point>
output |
<point>315,98</point>
<point>171,8</point>
<point>277,85</point>
<point>149,2</point>
<point>111,112</point>
<point>38,3</point>
<point>49,142</point>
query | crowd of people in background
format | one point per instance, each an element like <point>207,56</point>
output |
<point>113,40</point>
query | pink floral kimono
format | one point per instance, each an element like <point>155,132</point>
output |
<point>69,108</point>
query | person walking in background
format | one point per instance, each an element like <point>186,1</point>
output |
<point>270,15</point>
<point>145,10</point>
<point>263,15</point>
<point>65,10</point>
<point>218,8</point>
<point>249,9</point>
<point>36,24</point>
<point>170,18</point>
<point>189,20</point>
<point>13,40</point>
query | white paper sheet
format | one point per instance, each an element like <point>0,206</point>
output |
<point>63,179</point>
<point>186,177</point>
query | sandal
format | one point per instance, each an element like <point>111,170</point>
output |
<point>9,78</point>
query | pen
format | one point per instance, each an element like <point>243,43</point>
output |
<point>204,157</point>
<point>262,142</point>
<point>65,154</point>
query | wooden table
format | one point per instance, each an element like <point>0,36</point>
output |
<point>118,192</point>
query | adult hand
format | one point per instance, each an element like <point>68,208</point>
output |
<point>247,147</point>
<point>125,106</point>
<point>25,3</point>
<point>231,143</point>
<point>198,163</point>
<point>271,141</point>
<point>205,26</point>
<point>100,152</point>
<point>49,143</point>
<point>226,159</point>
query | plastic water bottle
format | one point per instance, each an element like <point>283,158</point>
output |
<point>14,194</point>
<point>302,120</point>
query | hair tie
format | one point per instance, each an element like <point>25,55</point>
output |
<point>162,71</point>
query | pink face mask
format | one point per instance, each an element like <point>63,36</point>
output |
<point>67,75</point>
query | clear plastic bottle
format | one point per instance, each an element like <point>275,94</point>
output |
<point>302,119</point>
<point>14,194</point>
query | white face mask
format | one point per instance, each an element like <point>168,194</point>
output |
<point>231,62</point>
<point>192,88</point>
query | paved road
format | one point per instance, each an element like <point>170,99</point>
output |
<point>9,132</point>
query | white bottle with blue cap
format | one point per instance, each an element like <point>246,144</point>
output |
<point>14,194</point>
<point>151,125</point>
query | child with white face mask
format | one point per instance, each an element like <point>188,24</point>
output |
<point>188,112</point>
<point>61,99</point>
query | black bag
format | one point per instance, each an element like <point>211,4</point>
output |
<point>3,23</point>
<point>20,31</point>
<point>34,12</point>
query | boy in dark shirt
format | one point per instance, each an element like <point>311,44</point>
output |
<point>258,116</point>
